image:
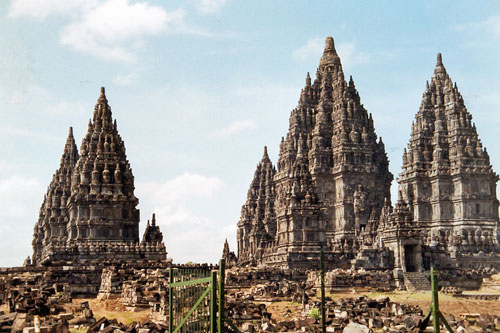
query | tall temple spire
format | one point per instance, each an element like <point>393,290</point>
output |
<point>446,177</point>
<point>102,113</point>
<point>70,154</point>
<point>104,162</point>
<point>257,224</point>
<point>329,157</point>
<point>265,156</point>
<point>53,217</point>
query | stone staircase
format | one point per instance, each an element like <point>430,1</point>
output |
<point>415,281</point>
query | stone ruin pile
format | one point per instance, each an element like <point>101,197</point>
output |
<point>248,304</point>
<point>135,288</point>
<point>379,314</point>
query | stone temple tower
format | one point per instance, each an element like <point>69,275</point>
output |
<point>102,205</point>
<point>257,225</point>
<point>447,179</point>
<point>333,171</point>
<point>54,217</point>
<point>90,213</point>
<point>332,176</point>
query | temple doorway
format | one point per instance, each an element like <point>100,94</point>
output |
<point>412,258</point>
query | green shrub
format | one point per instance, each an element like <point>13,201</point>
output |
<point>314,313</point>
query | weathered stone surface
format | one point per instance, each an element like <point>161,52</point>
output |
<point>330,191</point>
<point>89,213</point>
<point>257,225</point>
<point>356,328</point>
<point>332,177</point>
<point>447,211</point>
<point>53,218</point>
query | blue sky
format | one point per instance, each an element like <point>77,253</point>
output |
<point>198,87</point>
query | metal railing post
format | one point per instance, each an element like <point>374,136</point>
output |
<point>220,319</point>
<point>435,303</point>
<point>170,300</point>
<point>434,311</point>
<point>213,303</point>
<point>322,276</point>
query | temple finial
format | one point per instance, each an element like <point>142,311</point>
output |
<point>102,97</point>
<point>330,56</point>
<point>440,71</point>
<point>70,131</point>
<point>329,44</point>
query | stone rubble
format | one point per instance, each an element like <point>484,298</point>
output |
<point>343,315</point>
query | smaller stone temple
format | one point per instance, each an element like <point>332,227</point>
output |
<point>89,213</point>
<point>447,211</point>
<point>257,225</point>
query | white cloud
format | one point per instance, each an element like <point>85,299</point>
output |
<point>20,199</point>
<point>109,29</point>
<point>490,25</point>
<point>346,50</point>
<point>189,235</point>
<point>210,6</point>
<point>350,56</point>
<point>312,49</point>
<point>189,185</point>
<point>65,108</point>
<point>15,195</point>
<point>125,79</point>
<point>5,166</point>
<point>234,128</point>
<point>32,96</point>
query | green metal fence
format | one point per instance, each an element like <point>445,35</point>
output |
<point>192,300</point>
<point>196,300</point>
<point>197,297</point>
<point>434,311</point>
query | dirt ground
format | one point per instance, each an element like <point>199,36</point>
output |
<point>448,304</point>
<point>113,309</point>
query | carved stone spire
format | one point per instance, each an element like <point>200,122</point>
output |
<point>446,176</point>
<point>111,188</point>
<point>152,233</point>
<point>89,213</point>
<point>329,157</point>
<point>257,225</point>
<point>53,218</point>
